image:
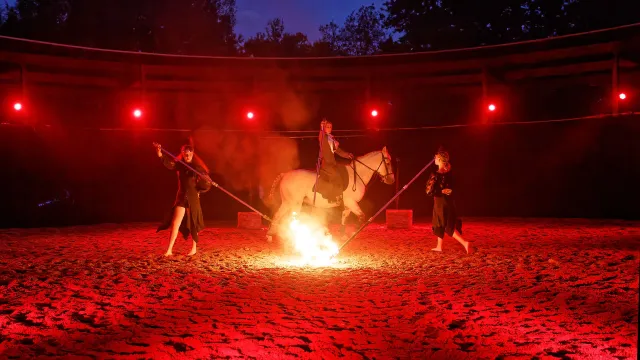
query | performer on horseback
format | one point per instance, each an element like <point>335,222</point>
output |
<point>330,184</point>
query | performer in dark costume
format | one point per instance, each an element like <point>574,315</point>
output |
<point>330,184</point>
<point>186,215</point>
<point>445,219</point>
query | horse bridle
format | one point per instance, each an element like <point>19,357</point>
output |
<point>387,164</point>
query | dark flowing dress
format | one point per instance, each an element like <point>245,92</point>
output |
<point>190,185</point>
<point>445,218</point>
<point>330,184</point>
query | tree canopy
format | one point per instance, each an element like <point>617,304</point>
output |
<point>207,27</point>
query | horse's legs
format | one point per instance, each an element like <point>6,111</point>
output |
<point>275,222</point>
<point>353,206</point>
<point>290,203</point>
<point>345,215</point>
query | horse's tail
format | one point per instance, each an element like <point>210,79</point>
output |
<point>273,200</point>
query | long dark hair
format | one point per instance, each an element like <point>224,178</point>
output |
<point>196,161</point>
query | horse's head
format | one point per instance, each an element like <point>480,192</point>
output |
<point>386,170</point>
<point>378,162</point>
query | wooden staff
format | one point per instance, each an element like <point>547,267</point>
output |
<point>206,177</point>
<point>387,204</point>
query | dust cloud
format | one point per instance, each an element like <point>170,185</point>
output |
<point>246,160</point>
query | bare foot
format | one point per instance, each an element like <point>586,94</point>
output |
<point>468,248</point>
<point>437,249</point>
<point>194,248</point>
<point>168,253</point>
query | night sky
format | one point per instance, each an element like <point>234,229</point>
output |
<point>298,15</point>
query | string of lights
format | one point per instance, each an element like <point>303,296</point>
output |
<point>346,133</point>
<point>21,107</point>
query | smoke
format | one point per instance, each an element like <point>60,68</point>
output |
<point>292,108</point>
<point>245,160</point>
<point>276,156</point>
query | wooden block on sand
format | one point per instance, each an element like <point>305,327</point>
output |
<point>399,219</point>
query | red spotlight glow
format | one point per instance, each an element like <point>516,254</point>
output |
<point>137,113</point>
<point>250,115</point>
<point>622,96</point>
<point>17,106</point>
<point>374,113</point>
<point>492,107</point>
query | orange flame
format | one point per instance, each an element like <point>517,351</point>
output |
<point>312,241</point>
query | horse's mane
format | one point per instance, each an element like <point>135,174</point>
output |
<point>368,155</point>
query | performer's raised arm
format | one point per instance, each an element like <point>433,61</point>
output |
<point>325,133</point>
<point>167,161</point>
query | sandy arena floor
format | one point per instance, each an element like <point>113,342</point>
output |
<point>542,289</point>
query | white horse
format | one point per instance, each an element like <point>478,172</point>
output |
<point>295,188</point>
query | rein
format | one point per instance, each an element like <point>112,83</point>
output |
<point>375,171</point>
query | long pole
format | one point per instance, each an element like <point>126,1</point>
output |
<point>615,82</point>
<point>315,188</point>
<point>397,181</point>
<point>216,184</point>
<point>485,96</point>
<point>387,204</point>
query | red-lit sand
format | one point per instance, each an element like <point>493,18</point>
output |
<point>534,289</point>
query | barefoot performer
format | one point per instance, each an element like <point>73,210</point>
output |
<point>186,215</point>
<point>440,186</point>
<point>330,182</point>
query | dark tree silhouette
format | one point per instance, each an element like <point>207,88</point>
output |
<point>361,34</point>
<point>364,31</point>
<point>446,24</point>
<point>37,19</point>
<point>331,42</point>
<point>198,27</point>
<point>276,42</point>
<point>206,27</point>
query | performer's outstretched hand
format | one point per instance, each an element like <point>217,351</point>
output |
<point>351,156</point>
<point>158,148</point>
<point>208,179</point>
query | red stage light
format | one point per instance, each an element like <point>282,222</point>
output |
<point>17,106</point>
<point>492,107</point>
<point>137,113</point>
<point>622,96</point>
<point>374,113</point>
<point>250,115</point>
